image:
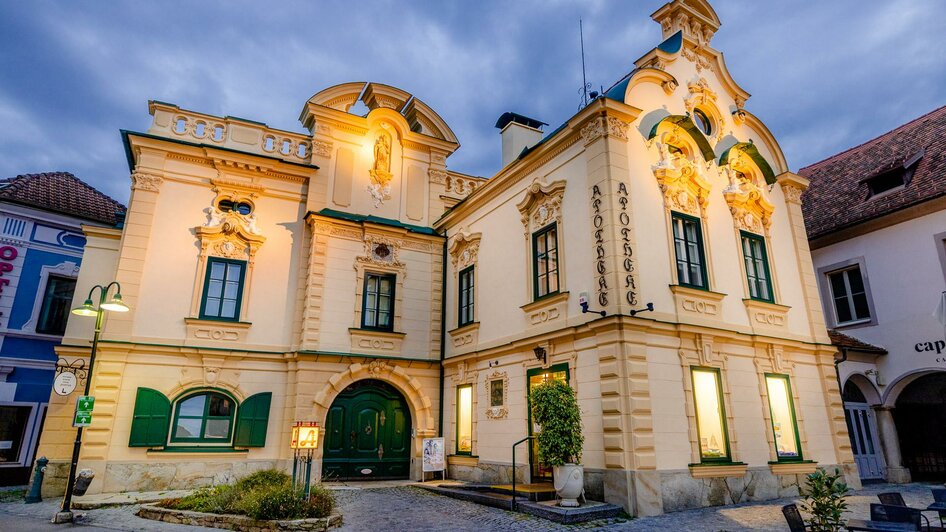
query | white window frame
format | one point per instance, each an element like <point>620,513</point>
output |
<point>827,293</point>
<point>30,435</point>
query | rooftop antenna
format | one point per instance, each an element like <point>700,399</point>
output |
<point>584,79</point>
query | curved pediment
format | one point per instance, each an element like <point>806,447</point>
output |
<point>684,123</point>
<point>749,149</point>
<point>622,89</point>
<point>340,97</point>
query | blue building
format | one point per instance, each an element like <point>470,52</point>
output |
<point>41,244</point>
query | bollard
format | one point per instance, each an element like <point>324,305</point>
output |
<point>83,481</point>
<point>36,490</point>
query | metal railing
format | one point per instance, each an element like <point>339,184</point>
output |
<point>512,504</point>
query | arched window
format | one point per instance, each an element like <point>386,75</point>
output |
<point>204,417</point>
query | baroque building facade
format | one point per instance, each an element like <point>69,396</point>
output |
<point>347,276</point>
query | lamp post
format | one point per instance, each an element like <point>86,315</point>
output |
<point>114,304</point>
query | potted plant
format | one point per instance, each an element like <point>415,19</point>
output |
<point>555,410</point>
<point>825,501</point>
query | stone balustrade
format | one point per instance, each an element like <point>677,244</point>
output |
<point>229,132</point>
<point>462,185</point>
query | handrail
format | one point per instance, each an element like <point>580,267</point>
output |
<point>512,505</point>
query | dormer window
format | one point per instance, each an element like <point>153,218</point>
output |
<point>893,179</point>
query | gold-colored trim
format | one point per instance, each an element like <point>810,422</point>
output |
<point>717,471</point>
<point>794,468</point>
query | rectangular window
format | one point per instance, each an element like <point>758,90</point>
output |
<point>378,305</point>
<point>13,423</point>
<point>465,312</point>
<point>849,296</point>
<point>223,289</point>
<point>688,247</point>
<point>782,409</point>
<point>465,419</point>
<point>56,302</point>
<point>710,415</point>
<point>757,267</point>
<point>545,262</point>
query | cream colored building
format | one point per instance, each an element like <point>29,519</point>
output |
<point>346,276</point>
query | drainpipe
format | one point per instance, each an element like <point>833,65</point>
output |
<point>837,371</point>
<point>443,328</point>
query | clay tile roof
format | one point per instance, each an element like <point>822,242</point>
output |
<point>60,192</point>
<point>839,197</point>
<point>842,340</point>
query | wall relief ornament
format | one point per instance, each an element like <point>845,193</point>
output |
<point>229,234</point>
<point>322,148</point>
<point>382,251</point>
<point>744,195</point>
<point>464,249</point>
<point>380,186</point>
<point>792,193</point>
<point>145,181</point>
<point>604,126</point>
<point>542,205</point>
<point>501,410</point>
<point>697,57</point>
<point>680,179</point>
<point>437,176</point>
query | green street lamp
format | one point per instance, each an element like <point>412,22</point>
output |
<point>88,308</point>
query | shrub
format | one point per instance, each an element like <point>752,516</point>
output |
<point>825,501</point>
<point>321,502</point>
<point>274,502</point>
<point>555,409</point>
<point>266,477</point>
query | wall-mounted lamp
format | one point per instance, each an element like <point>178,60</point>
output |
<point>493,363</point>
<point>540,354</point>
<point>583,302</point>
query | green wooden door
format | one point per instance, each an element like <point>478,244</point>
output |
<point>540,471</point>
<point>367,434</point>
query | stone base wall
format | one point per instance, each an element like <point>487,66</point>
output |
<point>156,476</point>
<point>487,473</point>
<point>236,522</point>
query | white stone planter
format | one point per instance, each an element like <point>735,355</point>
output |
<point>569,483</point>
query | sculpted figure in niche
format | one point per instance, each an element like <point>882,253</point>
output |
<point>382,154</point>
<point>380,187</point>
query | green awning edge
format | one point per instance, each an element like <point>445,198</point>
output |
<point>749,149</point>
<point>332,213</point>
<point>685,123</point>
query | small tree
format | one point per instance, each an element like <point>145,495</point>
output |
<point>555,409</point>
<point>825,501</point>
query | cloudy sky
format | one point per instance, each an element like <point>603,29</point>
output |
<point>825,75</point>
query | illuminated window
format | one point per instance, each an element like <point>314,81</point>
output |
<point>223,289</point>
<point>545,262</point>
<point>710,415</point>
<point>783,417</point>
<point>757,267</point>
<point>688,246</point>
<point>465,419</point>
<point>466,297</point>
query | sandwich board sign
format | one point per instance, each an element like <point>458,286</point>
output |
<point>434,459</point>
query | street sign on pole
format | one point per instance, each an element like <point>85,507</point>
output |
<point>82,419</point>
<point>85,403</point>
<point>84,406</point>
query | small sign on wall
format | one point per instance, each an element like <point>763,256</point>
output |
<point>65,383</point>
<point>434,457</point>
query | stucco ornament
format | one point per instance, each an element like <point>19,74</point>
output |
<point>541,206</point>
<point>464,250</point>
<point>382,251</point>
<point>229,234</point>
<point>380,186</point>
<point>500,411</point>
<point>679,178</point>
<point>145,181</point>
<point>750,209</point>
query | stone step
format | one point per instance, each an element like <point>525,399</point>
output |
<point>537,492</point>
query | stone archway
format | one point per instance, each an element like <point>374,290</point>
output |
<point>920,417</point>
<point>419,405</point>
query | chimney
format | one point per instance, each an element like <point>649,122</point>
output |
<point>518,132</point>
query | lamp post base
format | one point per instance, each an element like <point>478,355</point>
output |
<point>63,517</point>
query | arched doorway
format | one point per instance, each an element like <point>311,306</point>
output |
<point>920,416</point>
<point>367,433</point>
<point>862,429</point>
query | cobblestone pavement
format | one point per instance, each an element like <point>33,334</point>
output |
<point>394,509</point>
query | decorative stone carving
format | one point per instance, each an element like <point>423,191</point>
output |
<point>464,374</point>
<point>792,193</point>
<point>697,57</point>
<point>144,181</point>
<point>229,234</point>
<point>437,176</point>
<point>380,187</point>
<point>464,249</point>
<point>542,205</point>
<point>382,251</point>
<point>669,86</point>
<point>739,116</point>
<point>604,126</point>
<point>322,148</point>
<point>680,179</point>
<point>700,94</point>
<point>750,209</point>
<point>376,368</point>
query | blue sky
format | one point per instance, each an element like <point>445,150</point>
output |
<point>824,75</point>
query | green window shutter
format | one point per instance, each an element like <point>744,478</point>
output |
<point>252,420</point>
<point>149,425</point>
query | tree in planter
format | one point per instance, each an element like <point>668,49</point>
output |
<point>825,501</point>
<point>555,410</point>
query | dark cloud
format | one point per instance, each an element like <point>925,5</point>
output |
<point>824,75</point>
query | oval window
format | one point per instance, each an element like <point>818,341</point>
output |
<point>703,122</point>
<point>241,207</point>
